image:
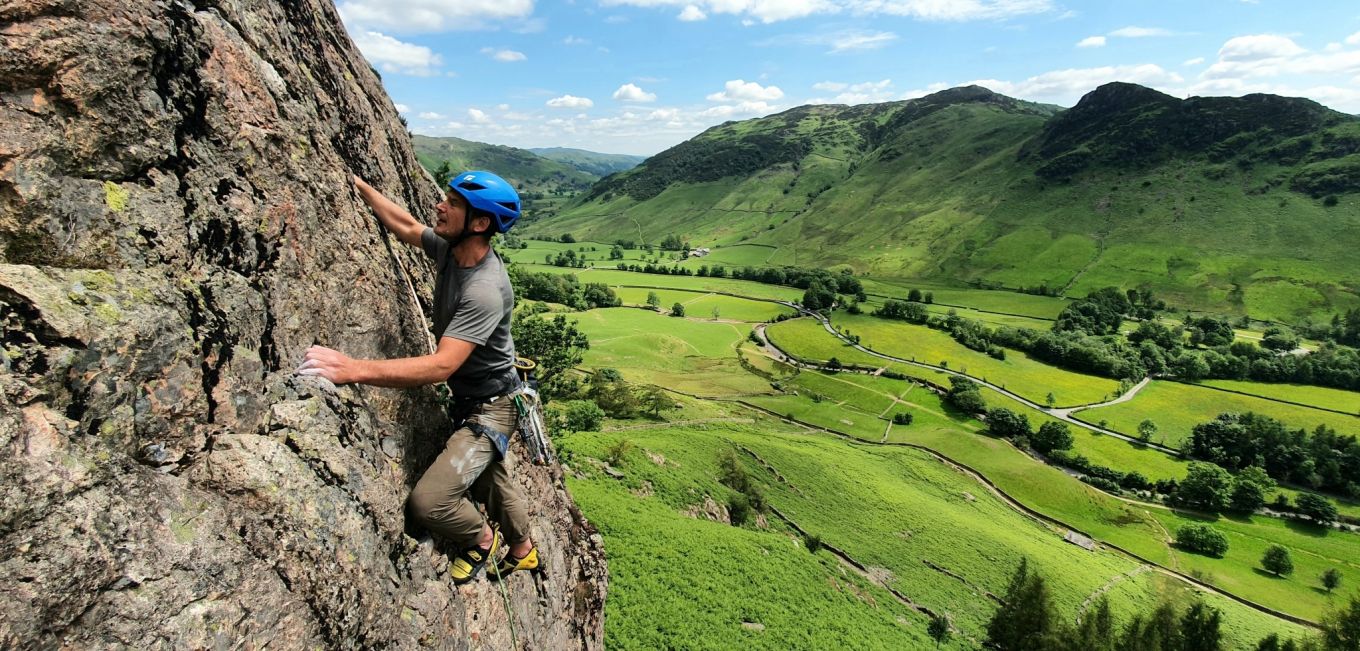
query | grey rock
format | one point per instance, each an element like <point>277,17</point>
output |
<point>177,226</point>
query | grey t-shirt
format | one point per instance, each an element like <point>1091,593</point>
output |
<point>474,305</point>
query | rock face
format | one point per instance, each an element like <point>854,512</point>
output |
<point>178,224</point>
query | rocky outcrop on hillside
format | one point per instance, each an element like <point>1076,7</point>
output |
<point>177,225</point>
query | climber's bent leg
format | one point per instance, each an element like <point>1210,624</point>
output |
<point>439,501</point>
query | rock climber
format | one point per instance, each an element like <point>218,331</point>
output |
<point>475,356</point>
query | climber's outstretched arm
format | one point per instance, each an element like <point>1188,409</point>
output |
<point>405,372</point>
<point>392,216</point>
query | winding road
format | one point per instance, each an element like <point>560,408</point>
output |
<point>1063,414</point>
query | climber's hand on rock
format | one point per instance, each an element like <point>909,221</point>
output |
<point>330,364</point>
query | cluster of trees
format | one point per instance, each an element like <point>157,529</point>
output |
<point>1050,436</point>
<point>747,496</point>
<point>1028,621</point>
<point>1085,338</point>
<point>1212,489</point>
<point>1322,460</point>
<point>674,243</point>
<point>1343,328</point>
<point>1202,539</point>
<point>566,258</point>
<point>965,395</point>
<point>605,394</point>
<point>911,311</point>
<point>1106,478</point>
<point>561,288</point>
<point>1102,312</point>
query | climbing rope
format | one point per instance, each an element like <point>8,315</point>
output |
<point>505,601</point>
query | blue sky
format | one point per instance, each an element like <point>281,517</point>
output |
<point>637,76</point>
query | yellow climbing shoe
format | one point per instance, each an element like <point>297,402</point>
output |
<point>471,560</point>
<point>511,564</point>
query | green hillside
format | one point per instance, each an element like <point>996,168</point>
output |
<point>590,161</point>
<point>1235,205</point>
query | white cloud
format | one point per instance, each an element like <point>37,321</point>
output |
<point>570,102</point>
<point>631,93</point>
<point>417,16</point>
<point>391,55</point>
<point>771,11</point>
<point>502,55</point>
<point>1353,39</point>
<point>1193,62</point>
<point>1066,86</point>
<point>738,90</point>
<point>943,10</point>
<point>743,109</point>
<point>861,93</point>
<point>402,108</point>
<point>1092,41</point>
<point>691,14</point>
<point>431,115</point>
<point>1268,55</point>
<point>575,40</point>
<point>478,117</point>
<point>1139,32</point>
<point>502,107</point>
<point>847,40</point>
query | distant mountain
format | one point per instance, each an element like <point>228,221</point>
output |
<point>589,161</point>
<point>1245,205</point>
<point>526,170</point>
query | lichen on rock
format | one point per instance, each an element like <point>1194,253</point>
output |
<point>177,225</point>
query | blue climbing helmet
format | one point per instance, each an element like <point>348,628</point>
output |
<point>490,194</point>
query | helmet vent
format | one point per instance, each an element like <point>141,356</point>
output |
<point>469,185</point>
<point>509,204</point>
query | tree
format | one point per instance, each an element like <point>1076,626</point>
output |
<point>938,629</point>
<point>653,301</point>
<point>1025,620</point>
<point>1051,436</point>
<point>914,296</point>
<point>613,395</point>
<point>1341,629</point>
<point>654,400</point>
<point>678,309</point>
<point>580,416</point>
<point>1206,487</point>
<point>567,238</point>
<point>616,253</point>
<point>834,364</point>
<point>1147,429</point>
<point>818,296</point>
<point>1277,561</point>
<point>555,345</point>
<point>1249,489</point>
<point>1317,507</point>
<point>1331,579</point>
<point>1050,399</point>
<point>442,174</point>
<point>1202,539</point>
<point>1096,630</point>
<point>1005,423</point>
<point>902,418</point>
<point>1200,628</point>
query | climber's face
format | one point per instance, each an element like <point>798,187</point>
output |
<point>451,215</point>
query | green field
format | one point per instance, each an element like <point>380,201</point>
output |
<point>686,355</point>
<point>891,509</point>
<point>616,278</point>
<point>1176,408</point>
<point>1324,397</point>
<point>700,305</point>
<point>1026,377</point>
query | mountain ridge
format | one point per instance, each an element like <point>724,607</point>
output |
<point>1216,202</point>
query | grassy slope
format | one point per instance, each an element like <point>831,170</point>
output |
<point>889,508</point>
<point>951,196</point>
